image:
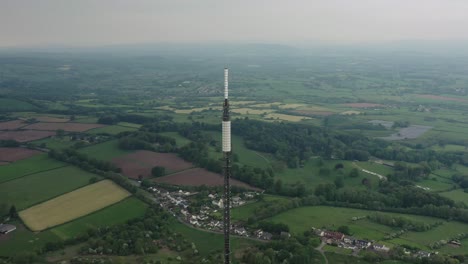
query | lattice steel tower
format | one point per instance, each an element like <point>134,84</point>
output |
<point>226,142</point>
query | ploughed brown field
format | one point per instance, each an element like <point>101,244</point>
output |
<point>363,105</point>
<point>142,161</point>
<point>72,127</point>
<point>443,98</point>
<point>14,154</point>
<point>12,125</point>
<point>199,177</point>
<point>25,135</point>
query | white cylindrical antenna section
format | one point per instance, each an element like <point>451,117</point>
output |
<point>226,82</point>
<point>226,140</point>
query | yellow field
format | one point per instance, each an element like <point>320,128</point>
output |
<point>72,205</point>
<point>286,117</point>
<point>291,106</point>
<point>351,112</point>
<point>266,105</point>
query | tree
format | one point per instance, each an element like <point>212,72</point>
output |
<point>60,133</point>
<point>158,171</point>
<point>339,182</point>
<point>13,212</point>
<point>278,186</point>
<point>344,229</point>
<point>354,173</point>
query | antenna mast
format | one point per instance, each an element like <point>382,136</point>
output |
<point>226,142</point>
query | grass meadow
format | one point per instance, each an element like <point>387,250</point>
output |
<point>245,211</point>
<point>104,151</point>
<point>207,242</point>
<point>33,189</point>
<point>28,166</point>
<point>81,202</point>
<point>117,213</point>
<point>112,130</point>
<point>180,140</point>
<point>55,143</point>
<point>23,240</point>
<point>310,174</point>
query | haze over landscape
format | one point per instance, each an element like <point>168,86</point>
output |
<point>76,23</point>
<point>344,133</point>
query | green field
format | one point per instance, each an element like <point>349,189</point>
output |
<point>246,156</point>
<point>112,130</point>
<point>449,147</point>
<point>126,124</point>
<point>13,105</point>
<point>180,140</point>
<point>436,184</point>
<point>245,211</point>
<point>25,240</point>
<point>304,218</point>
<point>207,242</point>
<point>54,143</point>
<point>310,174</point>
<point>84,201</point>
<point>42,186</point>
<point>115,214</point>
<point>28,166</point>
<point>457,195</point>
<point>104,151</point>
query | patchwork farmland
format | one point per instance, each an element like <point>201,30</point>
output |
<point>83,201</point>
<point>70,127</point>
<point>42,186</point>
<point>141,163</point>
<point>15,154</point>
<point>12,125</point>
<point>28,166</point>
<point>25,135</point>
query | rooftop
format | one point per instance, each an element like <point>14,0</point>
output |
<point>5,228</point>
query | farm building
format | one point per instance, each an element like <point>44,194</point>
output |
<point>5,229</point>
<point>332,235</point>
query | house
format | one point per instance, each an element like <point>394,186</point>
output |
<point>349,239</point>
<point>258,233</point>
<point>285,235</point>
<point>240,231</point>
<point>380,247</point>
<point>332,235</point>
<point>362,243</point>
<point>5,228</point>
<point>266,236</point>
<point>455,243</point>
<point>249,195</point>
<point>423,254</point>
<point>237,201</point>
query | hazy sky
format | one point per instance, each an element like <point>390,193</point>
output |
<point>90,22</point>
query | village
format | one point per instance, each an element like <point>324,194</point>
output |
<point>209,218</point>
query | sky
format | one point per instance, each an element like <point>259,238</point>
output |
<point>104,22</point>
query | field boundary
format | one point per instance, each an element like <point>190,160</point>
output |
<point>30,174</point>
<point>100,178</point>
<point>94,186</point>
<point>83,216</point>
